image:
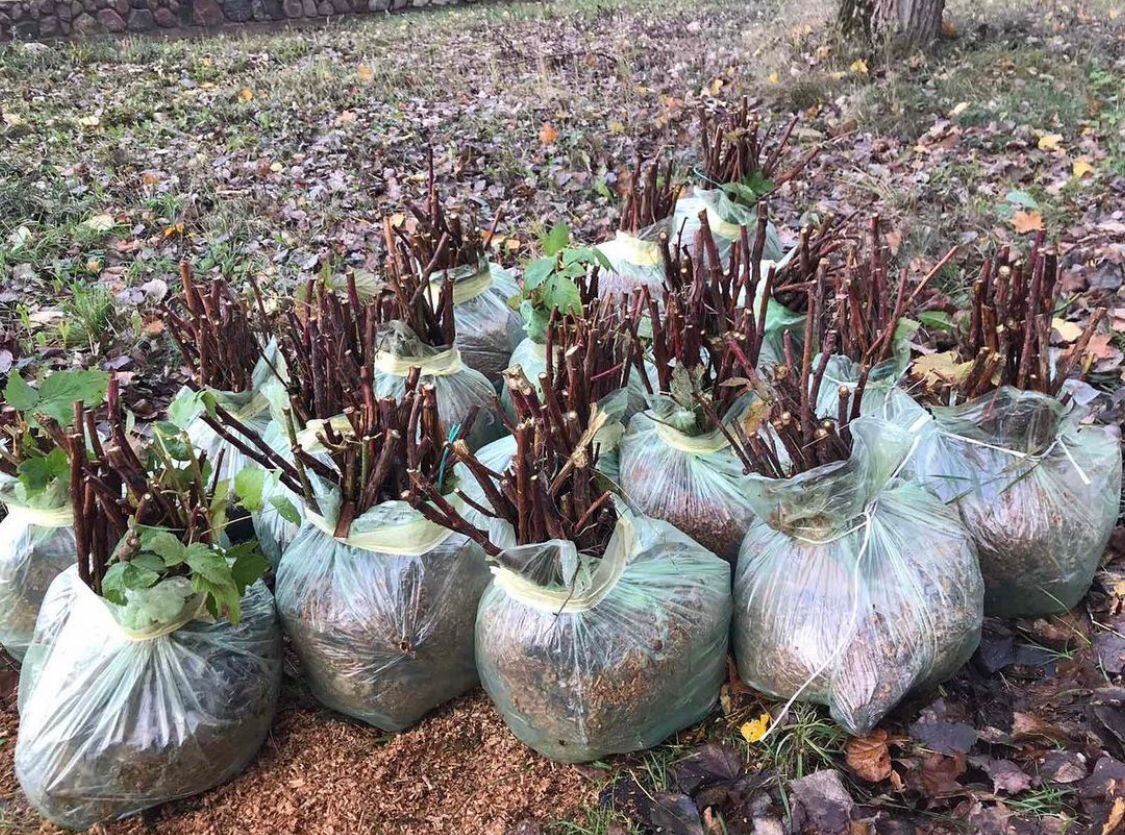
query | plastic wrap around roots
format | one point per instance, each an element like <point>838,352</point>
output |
<point>585,657</point>
<point>36,545</point>
<point>635,261</point>
<point>854,587</point>
<point>273,531</point>
<point>692,482</point>
<point>111,724</point>
<point>1037,491</point>
<point>459,388</point>
<point>882,396</point>
<point>383,622</point>
<point>488,330</point>
<point>724,217</point>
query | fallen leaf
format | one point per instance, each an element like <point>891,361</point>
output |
<point>99,223</point>
<point>940,773</point>
<point>935,369</point>
<point>1116,817</point>
<point>858,66</point>
<point>12,119</point>
<point>949,28</point>
<point>774,77</point>
<point>1067,331</point>
<point>958,109</point>
<point>754,730</point>
<point>869,757</point>
<point>245,95</point>
<point>1050,141</point>
<point>365,73</point>
<point>548,134</point>
<point>1006,776</point>
<point>91,121</point>
<point>1027,222</point>
<point>1081,168</point>
<point>153,327</point>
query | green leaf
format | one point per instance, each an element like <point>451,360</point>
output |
<point>248,486</point>
<point>537,272</point>
<point>61,390</point>
<point>286,509</point>
<point>563,295</point>
<point>204,560</point>
<point>535,320</point>
<point>150,561</point>
<point>1021,198</point>
<point>936,319</point>
<point>18,394</point>
<point>167,546</point>
<point>37,472</point>
<point>603,262</point>
<point>248,568</point>
<point>222,597</point>
<point>123,577</point>
<point>556,239</point>
<point>185,408</point>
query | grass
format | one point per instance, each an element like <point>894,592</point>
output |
<point>807,742</point>
<point>594,821</point>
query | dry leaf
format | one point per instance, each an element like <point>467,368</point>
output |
<point>1027,222</point>
<point>616,127</point>
<point>99,223</point>
<point>12,119</point>
<point>245,95</point>
<point>774,77</point>
<point>715,86</point>
<point>753,731</point>
<point>949,28</point>
<point>859,66</point>
<point>1116,817</point>
<point>1067,331</point>
<point>935,369</point>
<point>365,73</point>
<point>1082,167</point>
<point>153,327</point>
<point>512,244</point>
<point>89,121</point>
<point>548,134</point>
<point>869,757</point>
<point>958,109</point>
<point>1050,141</point>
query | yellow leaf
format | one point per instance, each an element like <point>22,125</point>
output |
<point>616,127</point>
<point>934,369</point>
<point>1050,141</point>
<point>12,119</point>
<point>512,244</point>
<point>346,117</point>
<point>960,108</point>
<point>774,77</point>
<point>1067,331</point>
<point>823,52</point>
<point>149,178</point>
<point>755,730</point>
<point>99,223</point>
<point>859,67</point>
<point>245,95</point>
<point>548,134</point>
<point>174,230</point>
<point>715,86</point>
<point>365,73</point>
<point>397,219</point>
<point>1027,222</point>
<point>276,166</point>
<point>93,266</point>
<point>89,121</point>
<point>1082,167</point>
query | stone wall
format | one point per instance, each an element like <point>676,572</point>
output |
<point>41,19</point>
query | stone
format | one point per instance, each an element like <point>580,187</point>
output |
<point>258,11</point>
<point>310,8</point>
<point>165,18</point>
<point>341,6</point>
<point>65,13</point>
<point>25,30</point>
<point>139,4</point>
<point>141,20</point>
<point>111,21</point>
<point>274,9</point>
<point>46,8</point>
<point>173,6</point>
<point>378,5</point>
<point>50,27</point>
<point>207,13</point>
<point>237,10</point>
<point>324,8</point>
<point>293,8</point>
<point>122,8</point>
<point>85,24</point>
<point>64,27</point>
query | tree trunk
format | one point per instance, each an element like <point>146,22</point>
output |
<point>916,22</point>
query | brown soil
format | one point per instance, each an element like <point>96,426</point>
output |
<point>460,770</point>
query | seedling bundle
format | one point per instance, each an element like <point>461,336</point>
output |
<point>1036,486</point>
<point>452,247</point>
<point>37,534</point>
<point>571,566</point>
<point>154,612</point>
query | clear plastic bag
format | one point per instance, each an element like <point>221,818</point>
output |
<point>585,657</point>
<point>692,482</point>
<point>488,330</point>
<point>459,388</point>
<point>883,396</point>
<point>635,261</point>
<point>36,545</point>
<point>1038,492</point>
<point>113,722</point>
<point>382,621</point>
<point>853,587</point>
<point>725,219</point>
<point>273,531</point>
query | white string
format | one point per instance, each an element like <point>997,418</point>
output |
<point>1035,458</point>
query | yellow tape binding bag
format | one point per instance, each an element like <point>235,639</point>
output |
<point>413,537</point>
<point>441,364</point>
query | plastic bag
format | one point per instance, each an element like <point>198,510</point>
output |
<point>635,261</point>
<point>725,219</point>
<point>585,657</point>
<point>36,545</point>
<point>1038,492</point>
<point>883,396</point>
<point>853,587</point>
<point>458,387</point>
<point>488,330</point>
<point>273,531</point>
<point>693,482</point>
<point>383,620</point>
<point>113,722</point>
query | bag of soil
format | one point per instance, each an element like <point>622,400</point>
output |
<point>382,619</point>
<point>635,260</point>
<point>488,329</point>
<point>36,545</point>
<point>725,218</point>
<point>116,718</point>
<point>1038,491</point>
<point>460,389</point>
<point>588,657</point>
<point>854,587</point>
<point>693,481</point>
